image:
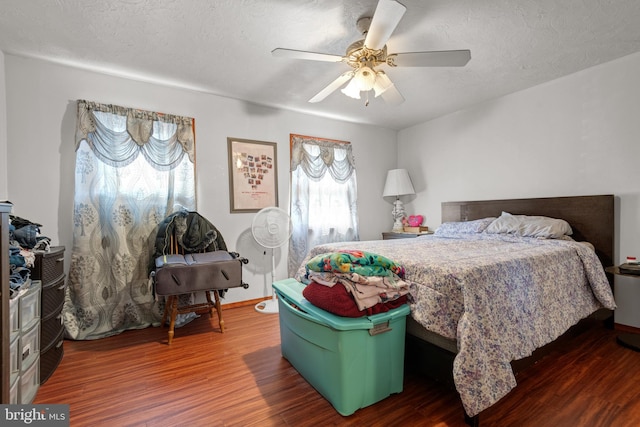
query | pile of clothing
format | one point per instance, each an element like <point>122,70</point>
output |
<point>354,283</point>
<point>24,238</point>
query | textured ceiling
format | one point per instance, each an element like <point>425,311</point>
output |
<point>224,46</point>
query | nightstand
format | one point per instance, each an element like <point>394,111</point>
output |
<point>629,340</point>
<point>389,235</point>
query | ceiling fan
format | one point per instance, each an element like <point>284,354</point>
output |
<point>365,55</point>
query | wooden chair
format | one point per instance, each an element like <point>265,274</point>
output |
<point>182,272</point>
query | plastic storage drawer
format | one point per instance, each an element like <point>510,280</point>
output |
<point>29,381</point>
<point>49,265</point>
<point>29,346</point>
<point>51,357</point>
<point>30,305</point>
<point>50,329</point>
<point>352,362</point>
<point>15,356</point>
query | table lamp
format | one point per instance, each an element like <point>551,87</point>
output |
<point>398,184</point>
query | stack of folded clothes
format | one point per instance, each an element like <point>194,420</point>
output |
<point>24,238</point>
<point>354,283</point>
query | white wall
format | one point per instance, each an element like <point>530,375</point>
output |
<point>41,115</point>
<point>577,135</point>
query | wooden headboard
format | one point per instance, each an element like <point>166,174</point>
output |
<point>591,217</point>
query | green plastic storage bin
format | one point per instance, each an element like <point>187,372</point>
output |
<point>352,362</point>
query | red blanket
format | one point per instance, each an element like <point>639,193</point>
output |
<point>337,300</point>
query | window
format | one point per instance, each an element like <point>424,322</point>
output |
<point>323,195</point>
<point>133,168</point>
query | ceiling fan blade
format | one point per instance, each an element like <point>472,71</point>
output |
<point>385,19</point>
<point>332,87</point>
<point>301,54</point>
<point>442,58</point>
<point>392,96</point>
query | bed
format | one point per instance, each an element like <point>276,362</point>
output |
<point>486,298</point>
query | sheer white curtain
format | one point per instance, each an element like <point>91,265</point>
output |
<point>323,196</point>
<point>133,168</point>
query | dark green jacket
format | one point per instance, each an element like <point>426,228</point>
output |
<point>193,232</point>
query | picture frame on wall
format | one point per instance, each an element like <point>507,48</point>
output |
<point>253,175</point>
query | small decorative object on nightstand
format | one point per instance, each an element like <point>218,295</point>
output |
<point>629,269</point>
<point>415,220</point>
<point>420,229</point>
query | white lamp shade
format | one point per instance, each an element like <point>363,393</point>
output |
<point>398,183</point>
<point>352,90</point>
<point>382,83</point>
<point>365,78</point>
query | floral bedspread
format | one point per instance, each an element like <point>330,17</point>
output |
<point>499,296</point>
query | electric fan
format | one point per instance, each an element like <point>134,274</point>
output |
<point>271,228</point>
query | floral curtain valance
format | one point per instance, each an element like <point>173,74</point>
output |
<point>319,156</point>
<point>163,139</point>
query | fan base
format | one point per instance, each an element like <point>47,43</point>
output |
<point>268,306</point>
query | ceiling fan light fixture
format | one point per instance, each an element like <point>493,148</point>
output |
<point>382,83</point>
<point>365,78</point>
<point>364,56</point>
<point>352,90</point>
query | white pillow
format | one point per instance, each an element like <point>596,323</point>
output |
<point>530,226</point>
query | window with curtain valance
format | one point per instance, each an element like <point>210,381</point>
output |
<point>133,168</point>
<point>323,195</point>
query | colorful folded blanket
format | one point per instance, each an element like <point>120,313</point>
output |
<point>352,261</point>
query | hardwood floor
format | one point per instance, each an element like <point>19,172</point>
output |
<point>239,378</point>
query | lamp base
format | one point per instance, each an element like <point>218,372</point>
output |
<point>398,227</point>
<point>398,213</point>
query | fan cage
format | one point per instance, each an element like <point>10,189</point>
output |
<point>271,227</point>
